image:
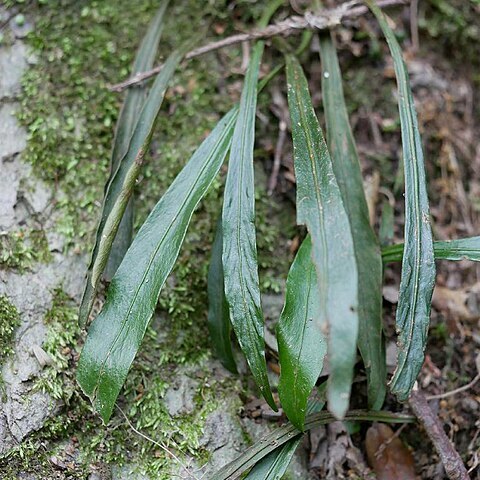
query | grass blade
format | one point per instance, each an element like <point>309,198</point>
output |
<point>116,334</point>
<point>128,117</point>
<point>239,244</point>
<point>302,345</point>
<point>119,190</point>
<point>320,208</point>
<point>346,167</point>
<point>275,464</point>
<point>284,434</point>
<point>418,266</point>
<point>218,314</point>
<point>461,249</point>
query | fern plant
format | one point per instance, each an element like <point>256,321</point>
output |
<point>333,301</point>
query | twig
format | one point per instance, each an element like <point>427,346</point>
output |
<point>158,444</point>
<point>290,26</point>
<point>389,440</point>
<point>451,460</point>
<point>277,159</point>
<point>414,25</point>
<point>457,390</point>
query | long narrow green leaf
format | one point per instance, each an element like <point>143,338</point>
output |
<point>302,343</point>
<point>127,119</point>
<point>418,267</point>
<point>218,313</point>
<point>461,249</point>
<point>284,434</point>
<point>275,464</point>
<point>120,189</point>
<point>320,208</point>
<point>115,335</point>
<point>239,244</point>
<point>346,167</point>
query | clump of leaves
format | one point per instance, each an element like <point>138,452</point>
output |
<point>333,294</point>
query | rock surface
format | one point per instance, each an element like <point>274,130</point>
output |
<point>25,202</point>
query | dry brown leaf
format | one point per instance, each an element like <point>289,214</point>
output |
<point>388,457</point>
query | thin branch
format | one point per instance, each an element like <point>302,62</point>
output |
<point>457,390</point>
<point>290,26</point>
<point>452,462</point>
<point>389,440</point>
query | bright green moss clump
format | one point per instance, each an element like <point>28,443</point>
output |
<point>9,321</point>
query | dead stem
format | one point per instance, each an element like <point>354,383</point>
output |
<point>452,462</point>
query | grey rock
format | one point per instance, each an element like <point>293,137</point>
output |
<point>20,28</point>
<point>179,398</point>
<point>13,62</point>
<point>22,409</point>
<point>12,172</point>
<point>12,134</point>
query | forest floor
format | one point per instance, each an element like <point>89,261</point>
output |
<point>58,117</point>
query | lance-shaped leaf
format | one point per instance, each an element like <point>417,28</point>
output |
<point>302,343</point>
<point>115,335</point>
<point>239,243</point>
<point>218,313</point>
<point>461,249</point>
<point>418,266</point>
<point>346,167</point>
<point>120,188</point>
<point>284,434</point>
<point>275,464</point>
<point>127,119</point>
<point>320,208</point>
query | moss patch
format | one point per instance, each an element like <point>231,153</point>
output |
<point>9,321</point>
<point>20,249</point>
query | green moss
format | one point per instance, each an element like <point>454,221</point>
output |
<point>9,321</point>
<point>20,249</point>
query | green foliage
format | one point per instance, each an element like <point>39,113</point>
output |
<point>120,187</point>
<point>320,208</point>
<point>239,256</point>
<point>112,342</point>
<point>461,249</point>
<point>302,343</point>
<point>129,114</point>
<point>418,266</point>
<point>343,267</point>
<point>219,324</point>
<point>346,166</point>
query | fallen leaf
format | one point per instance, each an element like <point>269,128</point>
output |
<point>388,457</point>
